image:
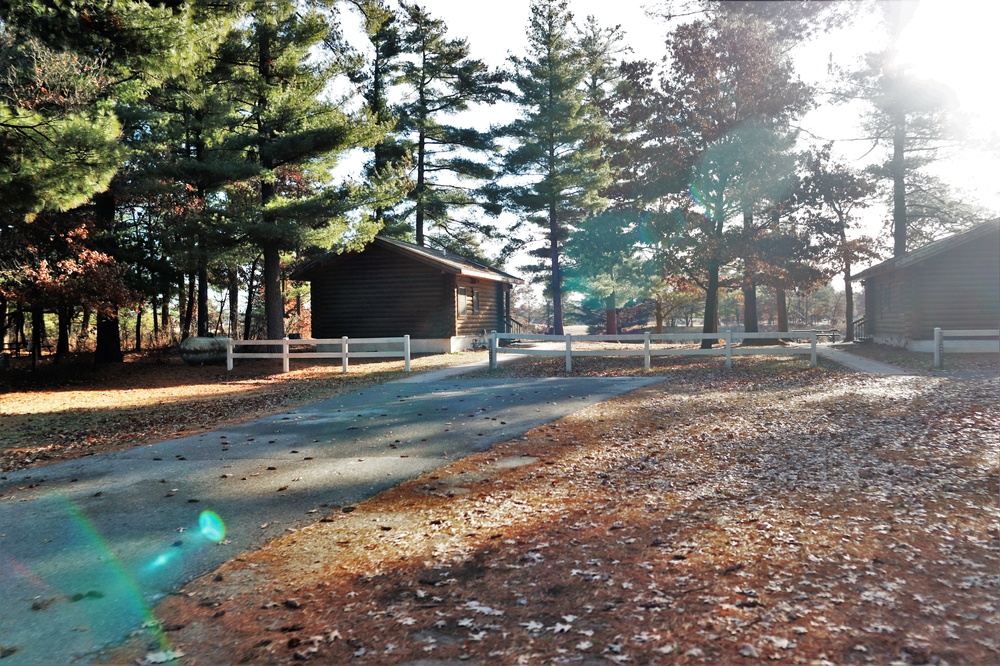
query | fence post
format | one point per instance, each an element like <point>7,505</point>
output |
<point>406,353</point>
<point>284,354</point>
<point>938,349</point>
<point>646,360</point>
<point>569,353</point>
<point>812,349</point>
<point>493,350</point>
<point>343,352</point>
<point>729,349</point>
<point>229,354</point>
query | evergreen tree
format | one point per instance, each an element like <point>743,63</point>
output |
<point>390,155</point>
<point>439,80</point>
<point>277,81</point>
<point>566,173</point>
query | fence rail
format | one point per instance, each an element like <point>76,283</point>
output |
<point>343,352</point>
<point>941,335</point>
<point>647,351</point>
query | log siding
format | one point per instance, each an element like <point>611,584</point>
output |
<point>393,288</point>
<point>956,287</point>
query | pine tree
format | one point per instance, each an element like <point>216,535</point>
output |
<point>277,82</point>
<point>390,155</point>
<point>567,172</point>
<point>440,79</point>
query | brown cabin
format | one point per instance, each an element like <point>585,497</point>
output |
<point>391,288</point>
<point>953,283</point>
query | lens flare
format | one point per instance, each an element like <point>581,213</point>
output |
<point>211,526</point>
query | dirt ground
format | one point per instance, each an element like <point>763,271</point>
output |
<point>768,513</point>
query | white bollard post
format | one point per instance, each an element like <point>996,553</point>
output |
<point>229,354</point>
<point>729,349</point>
<point>812,350</point>
<point>343,352</point>
<point>284,354</point>
<point>646,363</point>
<point>406,353</point>
<point>493,350</point>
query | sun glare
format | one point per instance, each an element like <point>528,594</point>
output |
<point>953,43</point>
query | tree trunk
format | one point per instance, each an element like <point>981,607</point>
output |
<point>782,307</point>
<point>37,334</point>
<point>848,305</point>
<point>557,308</point>
<point>165,316</point>
<point>84,324</point>
<point>189,309</point>
<point>899,185</point>
<point>203,322</point>
<point>234,303</point>
<point>138,330</point>
<point>156,322</point>
<point>251,289</point>
<point>109,343</point>
<point>750,323</point>
<point>274,308</point>
<point>711,303</point>
<point>610,315</point>
<point>65,320</point>
<point>418,191</point>
<point>659,317</point>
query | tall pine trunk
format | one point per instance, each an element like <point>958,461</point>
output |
<point>188,313</point>
<point>234,303</point>
<point>203,321</point>
<point>557,308</point>
<point>750,323</point>
<point>138,330</point>
<point>898,166</point>
<point>711,303</point>
<point>37,334</point>
<point>109,341</point>
<point>65,320</point>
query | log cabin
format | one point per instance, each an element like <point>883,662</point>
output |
<point>391,288</point>
<point>952,283</point>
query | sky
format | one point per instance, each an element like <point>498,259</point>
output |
<point>950,41</point>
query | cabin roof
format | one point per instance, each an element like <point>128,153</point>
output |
<point>930,250</point>
<point>445,261</point>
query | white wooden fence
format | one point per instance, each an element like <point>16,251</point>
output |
<point>342,352</point>
<point>941,335</point>
<point>647,351</point>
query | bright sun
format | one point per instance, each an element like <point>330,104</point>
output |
<point>954,43</point>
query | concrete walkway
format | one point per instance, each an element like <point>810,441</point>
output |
<point>860,363</point>
<point>88,546</point>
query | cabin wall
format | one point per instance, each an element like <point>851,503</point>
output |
<point>957,289</point>
<point>489,316</point>
<point>379,293</point>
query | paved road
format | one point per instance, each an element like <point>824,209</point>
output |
<point>88,546</point>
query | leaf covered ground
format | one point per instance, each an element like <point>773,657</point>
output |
<point>768,513</point>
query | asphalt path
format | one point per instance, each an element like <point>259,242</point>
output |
<point>89,546</point>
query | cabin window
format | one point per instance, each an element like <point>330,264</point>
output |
<point>475,300</point>
<point>462,304</point>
